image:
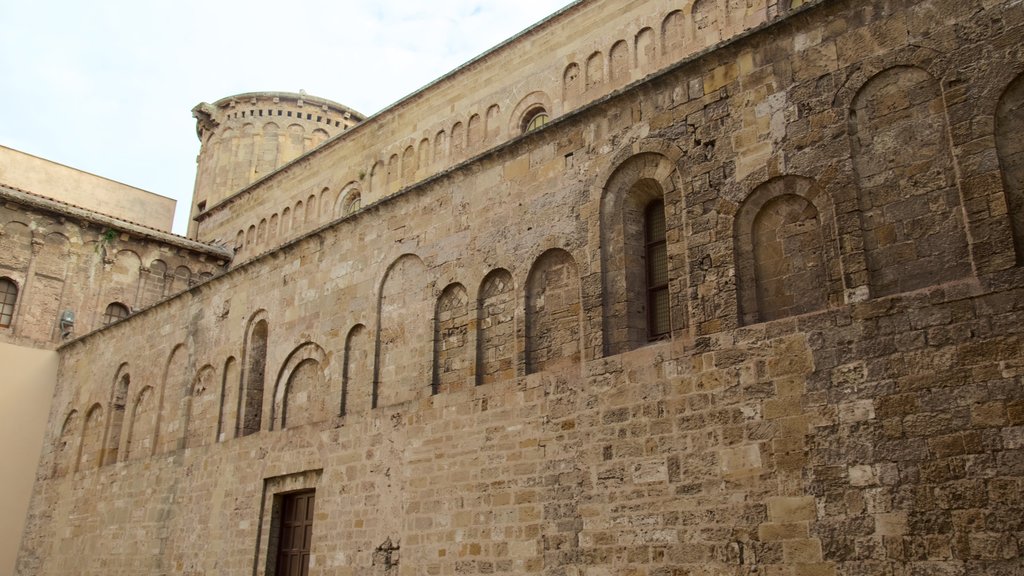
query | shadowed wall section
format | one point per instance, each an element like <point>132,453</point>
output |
<point>1010,148</point>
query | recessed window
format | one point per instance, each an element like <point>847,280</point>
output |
<point>115,311</point>
<point>351,204</point>
<point>534,119</point>
<point>656,263</point>
<point>8,296</point>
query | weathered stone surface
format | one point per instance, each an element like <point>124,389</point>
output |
<point>65,258</point>
<point>840,390</point>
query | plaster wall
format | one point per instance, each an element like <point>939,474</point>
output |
<point>27,384</point>
<point>47,178</point>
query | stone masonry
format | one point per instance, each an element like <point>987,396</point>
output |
<point>464,362</point>
<point>64,258</point>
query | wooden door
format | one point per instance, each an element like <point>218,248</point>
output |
<point>296,534</point>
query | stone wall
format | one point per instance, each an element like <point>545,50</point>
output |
<point>248,136</point>
<point>576,57</point>
<point>464,374</point>
<point>62,258</point>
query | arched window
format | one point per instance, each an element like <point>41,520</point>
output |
<point>534,119</point>
<point>636,268</point>
<point>115,311</point>
<point>530,113</point>
<point>8,296</point>
<point>656,265</point>
<point>351,204</point>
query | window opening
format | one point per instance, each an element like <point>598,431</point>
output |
<point>8,296</point>
<point>115,311</point>
<point>535,119</point>
<point>656,262</point>
<point>296,534</point>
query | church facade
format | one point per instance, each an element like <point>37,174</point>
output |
<point>661,288</point>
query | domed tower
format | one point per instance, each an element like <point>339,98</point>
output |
<point>247,136</point>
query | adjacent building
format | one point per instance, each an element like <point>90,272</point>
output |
<point>77,252</point>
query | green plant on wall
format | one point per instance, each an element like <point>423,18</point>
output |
<point>106,239</point>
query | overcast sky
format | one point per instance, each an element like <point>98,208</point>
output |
<point>107,86</point>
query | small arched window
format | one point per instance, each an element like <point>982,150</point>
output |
<point>351,204</point>
<point>656,263</point>
<point>8,296</point>
<point>115,311</point>
<point>534,119</point>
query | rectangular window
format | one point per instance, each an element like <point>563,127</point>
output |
<point>8,297</point>
<point>296,534</point>
<point>656,253</point>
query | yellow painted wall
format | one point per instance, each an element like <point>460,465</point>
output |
<point>46,178</point>
<point>27,379</point>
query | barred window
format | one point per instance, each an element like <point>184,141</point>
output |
<point>115,311</point>
<point>656,263</point>
<point>8,296</point>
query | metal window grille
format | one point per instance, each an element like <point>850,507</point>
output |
<point>658,318</point>
<point>8,296</point>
